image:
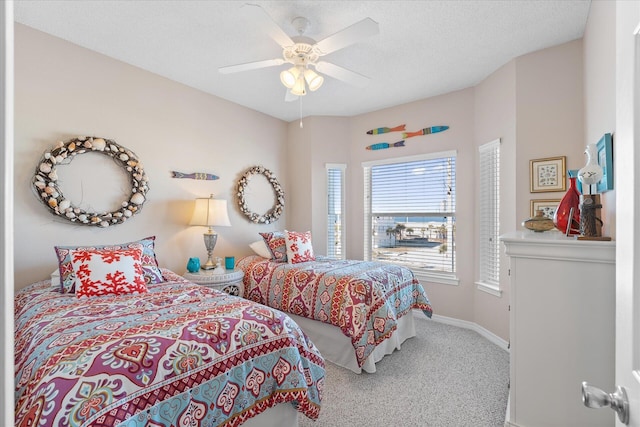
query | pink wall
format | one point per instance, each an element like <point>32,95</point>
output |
<point>321,140</point>
<point>534,104</point>
<point>495,117</point>
<point>549,115</point>
<point>455,110</point>
<point>599,50</point>
<point>62,91</point>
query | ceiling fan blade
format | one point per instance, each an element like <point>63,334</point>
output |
<point>265,23</point>
<point>343,74</point>
<point>250,66</point>
<point>350,35</point>
<point>289,97</point>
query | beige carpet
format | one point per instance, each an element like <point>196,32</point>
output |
<point>444,377</point>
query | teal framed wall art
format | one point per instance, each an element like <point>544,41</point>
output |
<point>605,160</point>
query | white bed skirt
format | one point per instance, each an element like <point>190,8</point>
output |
<point>281,415</point>
<point>337,348</point>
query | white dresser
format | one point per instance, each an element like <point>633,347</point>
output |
<point>562,328</point>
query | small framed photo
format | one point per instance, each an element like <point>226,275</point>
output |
<point>605,160</point>
<point>548,174</point>
<point>547,206</point>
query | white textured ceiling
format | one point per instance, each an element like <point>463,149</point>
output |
<point>425,48</point>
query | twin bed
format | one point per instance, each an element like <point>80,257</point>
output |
<point>178,354</point>
<point>175,353</point>
<point>355,312</point>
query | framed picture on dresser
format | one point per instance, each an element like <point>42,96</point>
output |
<point>547,206</point>
<point>547,174</point>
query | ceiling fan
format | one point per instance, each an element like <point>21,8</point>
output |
<point>303,53</point>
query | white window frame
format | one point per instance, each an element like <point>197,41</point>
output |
<point>442,278</point>
<point>489,218</point>
<point>341,167</point>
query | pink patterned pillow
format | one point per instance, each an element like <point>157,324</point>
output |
<point>276,244</point>
<point>108,271</point>
<point>299,247</point>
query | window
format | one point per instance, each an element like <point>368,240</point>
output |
<point>335,211</point>
<point>489,206</point>
<point>410,213</point>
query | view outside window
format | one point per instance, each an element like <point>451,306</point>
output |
<point>412,213</point>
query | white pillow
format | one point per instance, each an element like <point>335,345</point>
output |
<point>55,278</point>
<point>260,248</point>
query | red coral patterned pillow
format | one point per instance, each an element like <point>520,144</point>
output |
<point>152,272</point>
<point>276,244</point>
<point>108,271</point>
<point>299,248</point>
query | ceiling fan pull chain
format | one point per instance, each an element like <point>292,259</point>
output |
<point>300,100</point>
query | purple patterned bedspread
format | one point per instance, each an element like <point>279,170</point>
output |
<point>178,355</point>
<point>363,298</point>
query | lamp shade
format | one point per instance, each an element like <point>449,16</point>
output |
<point>289,77</point>
<point>313,79</point>
<point>210,212</point>
<point>299,88</point>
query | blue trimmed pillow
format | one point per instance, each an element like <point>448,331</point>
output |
<point>276,244</point>
<point>149,262</point>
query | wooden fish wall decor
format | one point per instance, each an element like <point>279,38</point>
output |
<point>195,175</point>
<point>405,135</point>
<point>425,131</point>
<point>385,145</point>
<point>378,131</point>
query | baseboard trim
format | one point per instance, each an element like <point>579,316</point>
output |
<point>474,327</point>
<point>507,415</point>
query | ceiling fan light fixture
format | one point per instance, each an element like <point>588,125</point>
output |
<point>314,80</point>
<point>299,88</point>
<point>302,53</point>
<point>290,77</point>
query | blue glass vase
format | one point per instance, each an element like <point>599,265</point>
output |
<point>193,265</point>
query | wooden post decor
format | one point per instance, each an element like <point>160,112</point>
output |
<point>590,222</point>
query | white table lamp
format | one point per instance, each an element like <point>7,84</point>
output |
<point>210,212</point>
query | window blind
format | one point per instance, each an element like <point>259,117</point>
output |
<point>335,210</point>
<point>414,188</point>
<point>410,212</point>
<point>489,206</point>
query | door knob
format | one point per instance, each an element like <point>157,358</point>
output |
<point>593,397</point>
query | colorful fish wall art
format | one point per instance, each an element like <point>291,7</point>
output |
<point>405,135</point>
<point>195,175</point>
<point>425,131</point>
<point>378,131</point>
<point>384,145</point>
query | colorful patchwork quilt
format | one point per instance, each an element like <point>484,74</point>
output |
<point>177,355</point>
<point>362,298</point>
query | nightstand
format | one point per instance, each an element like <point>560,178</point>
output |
<point>229,282</point>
